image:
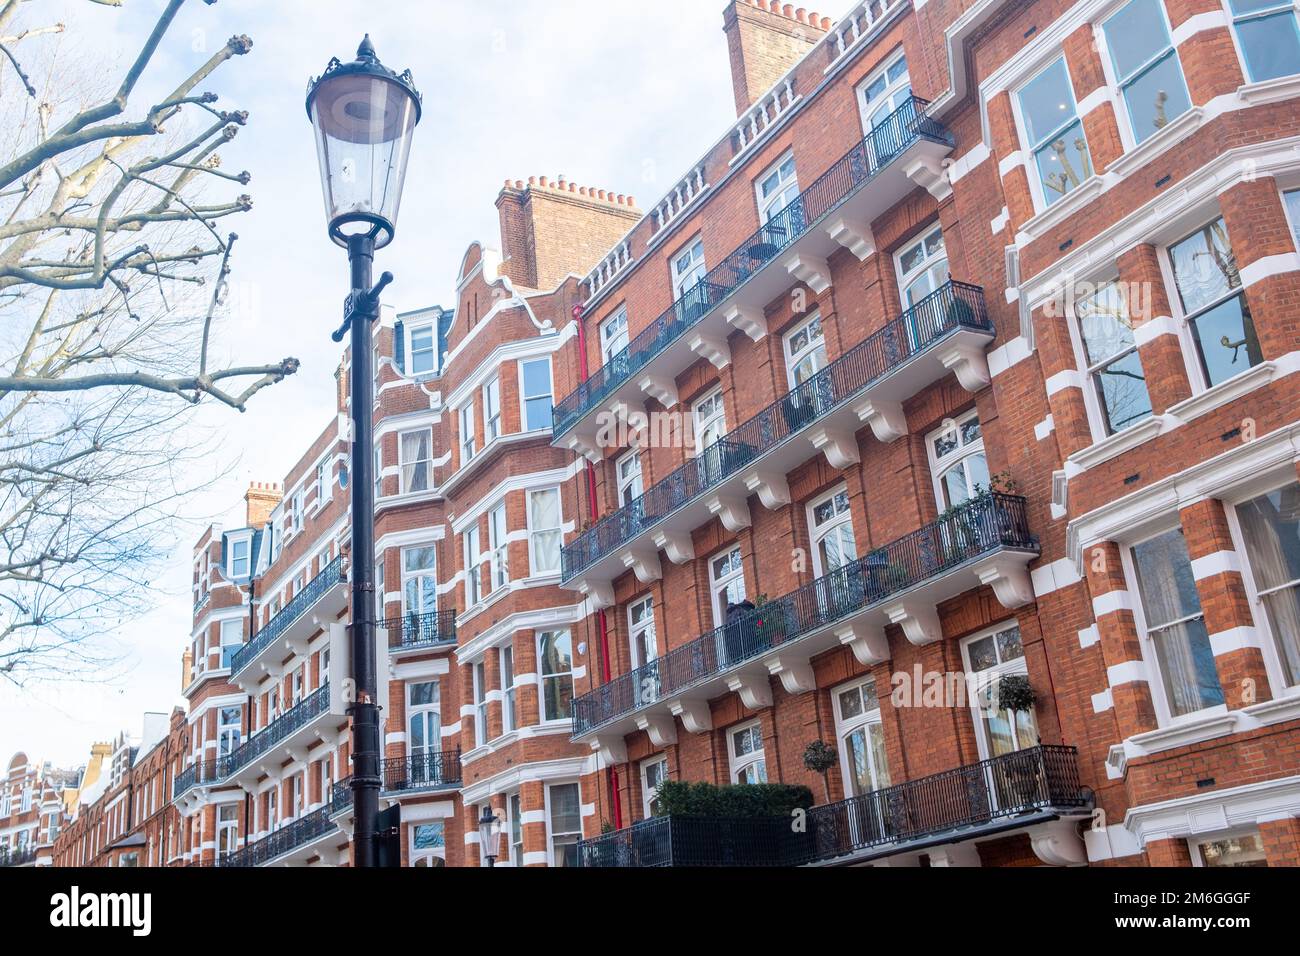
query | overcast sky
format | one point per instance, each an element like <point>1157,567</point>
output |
<point>617,95</point>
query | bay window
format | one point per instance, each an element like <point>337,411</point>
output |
<point>492,410</point>
<point>479,673</point>
<point>232,639</point>
<point>473,567</point>
<point>1292,201</point>
<point>1146,66</point>
<point>1214,303</point>
<point>565,805</point>
<point>1270,525</point>
<point>1175,624</point>
<point>1268,37</point>
<point>538,394</point>
<point>498,542</point>
<point>468,447</point>
<point>1054,132</point>
<point>1114,365</point>
<point>508,696</point>
<point>516,808</point>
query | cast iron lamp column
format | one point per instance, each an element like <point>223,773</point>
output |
<point>364,115</point>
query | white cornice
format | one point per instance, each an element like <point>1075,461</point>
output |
<point>504,630</point>
<point>552,770</point>
<point>1215,811</point>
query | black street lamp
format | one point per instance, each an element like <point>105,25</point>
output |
<point>489,834</point>
<point>364,115</point>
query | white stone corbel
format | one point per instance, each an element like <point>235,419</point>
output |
<point>734,512</point>
<point>628,410</point>
<point>660,388</point>
<point>694,715</point>
<point>840,448</point>
<point>811,271</point>
<point>1009,577</point>
<point>854,235</point>
<point>1059,844</point>
<point>772,489</point>
<point>712,348</point>
<point>867,641</point>
<point>930,174</point>
<point>887,420</point>
<point>585,445</point>
<point>645,564</point>
<point>749,320</point>
<point>955,854</point>
<point>612,749</point>
<point>970,365</point>
<point>755,689</point>
<point>661,728</point>
<point>599,593</point>
<point>919,621</point>
<point>677,545</point>
<point>795,672</point>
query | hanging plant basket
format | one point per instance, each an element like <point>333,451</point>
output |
<point>1015,694</point>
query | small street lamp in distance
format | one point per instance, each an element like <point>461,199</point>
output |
<point>364,116</point>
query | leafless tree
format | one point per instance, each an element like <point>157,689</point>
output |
<point>113,276</point>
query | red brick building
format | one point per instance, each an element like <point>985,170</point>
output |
<point>34,798</point>
<point>942,412</point>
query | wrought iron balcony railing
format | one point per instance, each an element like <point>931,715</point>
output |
<point>302,602</point>
<point>199,773</point>
<point>292,836</point>
<point>904,127</point>
<point>953,307</point>
<point>414,631</point>
<point>425,771</point>
<point>1013,789</point>
<point>1005,787</point>
<point>341,797</point>
<point>697,842</point>
<point>981,526</point>
<point>311,707</point>
<point>17,857</point>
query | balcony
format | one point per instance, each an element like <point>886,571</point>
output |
<point>835,211</point>
<point>985,541</point>
<point>419,632</point>
<point>423,772</point>
<point>15,858</point>
<point>317,606</point>
<point>203,773</point>
<point>947,329</point>
<point>1029,791</point>
<point>284,738</point>
<point>292,844</point>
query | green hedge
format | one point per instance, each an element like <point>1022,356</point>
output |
<point>677,798</point>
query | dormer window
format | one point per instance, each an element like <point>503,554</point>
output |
<point>240,557</point>
<point>423,352</point>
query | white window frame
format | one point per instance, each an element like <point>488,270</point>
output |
<point>543,677</point>
<point>1029,150</point>
<point>683,282</point>
<point>415,857</point>
<point>492,410</point>
<point>787,190</point>
<point>1098,416</point>
<point>430,714</point>
<point>977,681</point>
<point>642,631</point>
<point>535,534</point>
<point>424,578</point>
<point>718,416</point>
<point>525,398</point>
<point>941,466</point>
<point>515,828</point>
<point>509,696</point>
<point>1234,19</point>
<point>227,639</point>
<point>1150,658</point>
<point>551,835</point>
<point>892,89</point>
<point>614,335</point>
<point>793,358</point>
<point>410,332</point>
<point>629,480</point>
<point>407,481</point>
<point>478,673</point>
<point>324,486</point>
<point>1116,87</point>
<point>227,829</point>
<point>845,726</point>
<point>928,262</point>
<point>235,561</point>
<point>1196,843</point>
<point>499,547</point>
<point>740,764</point>
<point>468,440</point>
<point>834,525</point>
<point>649,793</point>
<point>1292,218</point>
<point>474,592</point>
<point>718,585</point>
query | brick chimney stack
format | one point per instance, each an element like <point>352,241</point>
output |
<point>765,39</point>
<point>187,668</point>
<point>550,228</point>
<point>262,499</point>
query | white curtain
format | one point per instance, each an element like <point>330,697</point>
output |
<point>415,462</point>
<point>1271,525</point>
<point>547,535</point>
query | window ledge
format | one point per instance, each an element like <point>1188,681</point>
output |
<point>501,441</point>
<point>1119,443</point>
<point>1225,392</point>
<point>1270,91</point>
<point>1173,134</point>
<point>1214,723</point>
<point>1064,208</point>
<point>1276,711</point>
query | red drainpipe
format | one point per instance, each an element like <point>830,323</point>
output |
<point>594,513</point>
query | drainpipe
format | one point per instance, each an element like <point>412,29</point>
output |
<point>594,512</point>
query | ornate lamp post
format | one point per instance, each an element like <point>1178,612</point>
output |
<point>489,834</point>
<point>364,115</point>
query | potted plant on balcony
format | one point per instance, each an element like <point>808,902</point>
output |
<point>819,757</point>
<point>770,626</point>
<point>1014,694</point>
